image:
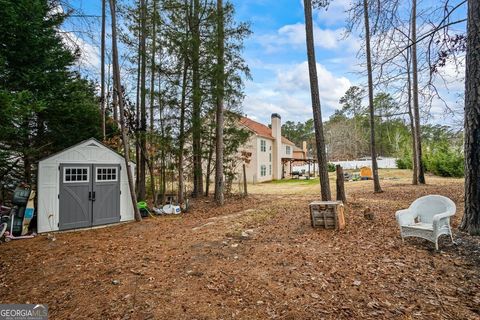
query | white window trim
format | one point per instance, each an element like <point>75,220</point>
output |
<point>261,167</point>
<point>264,142</point>
<point>107,180</point>
<point>288,150</point>
<point>76,181</point>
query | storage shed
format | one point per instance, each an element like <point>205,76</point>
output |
<point>83,186</point>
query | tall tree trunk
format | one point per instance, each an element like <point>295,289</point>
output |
<point>152,100</point>
<point>376,180</point>
<point>143,96</point>
<point>163,175</point>
<point>102,70</point>
<point>416,108</point>
<point>181,138</point>
<point>137,111</point>
<point>118,88</point>
<point>412,122</point>
<point>197,97</point>
<point>152,66</point>
<point>471,215</point>
<point>209,162</point>
<point>220,79</point>
<point>317,111</point>
<point>115,104</point>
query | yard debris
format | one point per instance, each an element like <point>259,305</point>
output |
<point>368,214</point>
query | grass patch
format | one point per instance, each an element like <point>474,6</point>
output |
<point>251,220</point>
<point>297,182</point>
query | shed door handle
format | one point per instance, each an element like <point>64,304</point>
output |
<point>89,196</point>
<point>93,196</point>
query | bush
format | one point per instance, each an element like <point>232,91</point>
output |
<point>404,163</point>
<point>442,161</point>
<point>331,167</point>
<point>445,163</point>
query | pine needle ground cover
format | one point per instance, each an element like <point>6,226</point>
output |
<point>254,258</point>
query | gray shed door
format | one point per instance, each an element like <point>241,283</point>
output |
<point>75,187</point>
<point>89,195</point>
<point>106,194</point>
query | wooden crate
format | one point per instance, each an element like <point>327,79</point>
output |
<point>327,214</point>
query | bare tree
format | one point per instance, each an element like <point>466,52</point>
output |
<point>143,93</point>
<point>118,89</point>
<point>412,119</point>
<point>416,108</point>
<point>197,103</point>
<point>471,216</point>
<point>102,70</point>
<point>220,79</point>
<point>317,112</point>
<point>376,181</point>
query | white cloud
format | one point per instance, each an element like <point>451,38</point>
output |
<point>288,93</point>
<point>89,53</point>
<point>335,13</point>
<point>293,36</point>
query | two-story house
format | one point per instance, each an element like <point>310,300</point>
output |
<point>270,152</point>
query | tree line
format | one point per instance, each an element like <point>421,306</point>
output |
<point>169,94</point>
<point>404,60</point>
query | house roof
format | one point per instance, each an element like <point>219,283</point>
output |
<point>261,130</point>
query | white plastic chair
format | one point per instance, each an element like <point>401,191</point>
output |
<point>427,217</point>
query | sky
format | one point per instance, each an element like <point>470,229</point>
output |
<point>276,55</point>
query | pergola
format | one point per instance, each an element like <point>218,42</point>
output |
<point>291,161</point>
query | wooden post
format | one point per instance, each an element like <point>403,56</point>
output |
<point>245,193</point>
<point>340,184</point>
<point>309,170</point>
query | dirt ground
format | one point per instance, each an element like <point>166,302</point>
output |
<point>256,258</point>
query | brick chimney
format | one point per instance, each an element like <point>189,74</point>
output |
<point>304,148</point>
<point>277,146</point>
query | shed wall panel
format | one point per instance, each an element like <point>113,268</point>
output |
<point>88,152</point>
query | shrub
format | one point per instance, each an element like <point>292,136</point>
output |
<point>331,167</point>
<point>404,162</point>
<point>445,163</point>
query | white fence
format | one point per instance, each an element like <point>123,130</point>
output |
<point>383,163</point>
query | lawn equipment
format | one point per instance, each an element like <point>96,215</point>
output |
<point>15,221</point>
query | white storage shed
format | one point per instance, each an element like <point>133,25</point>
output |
<point>83,186</point>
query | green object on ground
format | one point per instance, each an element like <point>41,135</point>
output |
<point>142,205</point>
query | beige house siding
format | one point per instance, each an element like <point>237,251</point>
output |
<point>270,159</point>
<point>263,159</point>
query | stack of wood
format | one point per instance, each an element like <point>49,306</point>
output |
<point>327,214</point>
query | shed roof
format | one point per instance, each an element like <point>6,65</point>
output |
<point>82,142</point>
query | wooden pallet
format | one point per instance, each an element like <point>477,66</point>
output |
<point>327,214</point>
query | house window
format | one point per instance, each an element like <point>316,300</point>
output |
<point>263,145</point>
<point>270,156</point>
<point>263,170</point>
<point>270,169</point>
<point>71,174</point>
<point>107,174</point>
<point>288,150</point>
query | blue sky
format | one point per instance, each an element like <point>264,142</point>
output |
<point>276,55</point>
